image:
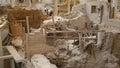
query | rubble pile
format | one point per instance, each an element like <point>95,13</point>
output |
<point>109,26</point>
<point>66,41</point>
<point>69,55</point>
<point>40,61</point>
<point>76,19</point>
<point>59,23</point>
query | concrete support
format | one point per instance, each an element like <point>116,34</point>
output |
<point>55,7</point>
<point>68,5</point>
<point>12,3</point>
<point>1,52</point>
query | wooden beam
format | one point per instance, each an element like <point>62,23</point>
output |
<point>75,1</point>
<point>33,2</point>
<point>12,3</point>
<point>15,54</point>
<point>27,21</point>
<point>12,63</point>
<point>55,2</point>
<point>6,57</point>
<point>87,31</point>
<point>44,1</point>
<point>20,21</point>
<point>29,3</point>
<point>27,47</point>
<point>60,37</point>
<point>68,5</point>
<point>27,41</point>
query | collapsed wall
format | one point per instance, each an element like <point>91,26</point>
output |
<point>71,55</point>
<point>92,56</point>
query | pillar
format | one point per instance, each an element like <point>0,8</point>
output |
<point>68,6</point>
<point>55,7</point>
<point>29,3</point>
<point>44,1</point>
<point>12,63</point>
<point>100,37</point>
<point>75,1</point>
<point>34,2</point>
<point>1,52</point>
<point>12,3</point>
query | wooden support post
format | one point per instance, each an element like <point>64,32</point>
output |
<point>34,2</point>
<point>1,52</point>
<point>6,57</point>
<point>100,37</point>
<point>12,3</point>
<point>54,26</point>
<point>27,47</point>
<point>43,1</point>
<point>15,54</point>
<point>29,3</point>
<point>80,36</point>
<point>68,5</point>
<point>55,7</point>
<point>28,27</point>
<point>12,63</point>
<point>75,1</point>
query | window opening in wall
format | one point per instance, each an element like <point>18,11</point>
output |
<point>93,9</point>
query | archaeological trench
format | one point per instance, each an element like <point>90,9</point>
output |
<point>59,33</point>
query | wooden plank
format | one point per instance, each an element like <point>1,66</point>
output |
<point>87,31</point>
<point>12,3</point>
<point>20,21</point>
<point>27,21</point>
<point>75,1</point>
<point>55,7</point>
<point>27,47</point>
<point>6,57</point>
<point>15,54</point>
<point>69,5</point>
